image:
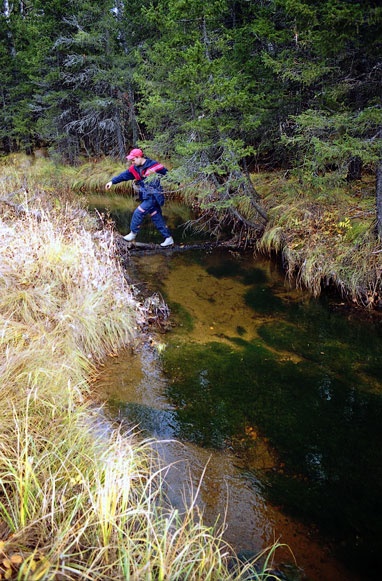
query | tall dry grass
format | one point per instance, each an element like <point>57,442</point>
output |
<point>78,499</point>
<point>325,236</point>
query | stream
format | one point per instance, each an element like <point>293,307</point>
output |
<point>266,405</point>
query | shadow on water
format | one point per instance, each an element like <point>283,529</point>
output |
<point>275,396</point>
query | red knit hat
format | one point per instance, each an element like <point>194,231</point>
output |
<point>134,153</point>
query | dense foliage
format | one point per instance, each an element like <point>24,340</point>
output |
<point>219,87</point>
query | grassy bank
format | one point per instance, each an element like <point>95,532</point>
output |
<point>325,235</point>
<point>78,499</point>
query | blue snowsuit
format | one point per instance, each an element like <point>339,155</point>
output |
<point>150,194</point>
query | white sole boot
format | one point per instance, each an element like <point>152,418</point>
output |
<point>168,242</point>
<point>130,237</point>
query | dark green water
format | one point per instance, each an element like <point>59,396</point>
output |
<point>288,385</point>
<point>249,354</point>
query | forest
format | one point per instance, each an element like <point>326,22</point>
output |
<point>220,91</point>
<point>268,115</point>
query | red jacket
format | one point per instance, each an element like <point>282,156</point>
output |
<point>146,186</point>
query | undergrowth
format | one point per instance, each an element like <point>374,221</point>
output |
<point>326,237</point>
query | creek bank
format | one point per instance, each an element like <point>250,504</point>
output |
<point>325,236</point>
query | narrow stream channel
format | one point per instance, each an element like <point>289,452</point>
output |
<point>268,400</point>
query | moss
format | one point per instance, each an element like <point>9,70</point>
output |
<point>262,300</point>
<point>182,316</point>
<point>211,400</point>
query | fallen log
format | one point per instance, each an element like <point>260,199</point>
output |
<point>147,248</point>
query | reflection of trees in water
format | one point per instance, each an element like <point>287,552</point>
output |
<point>298,376</point>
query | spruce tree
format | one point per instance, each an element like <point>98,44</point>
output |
<point>84,102</point>
<point>201,101</point>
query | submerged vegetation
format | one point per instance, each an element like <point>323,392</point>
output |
<point>79,499</point>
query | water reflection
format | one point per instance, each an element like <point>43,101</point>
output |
<point>280,395</point>
<point>272,358</point>
<point>226,492</point>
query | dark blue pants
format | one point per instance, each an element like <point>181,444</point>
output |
<point>152,208</point>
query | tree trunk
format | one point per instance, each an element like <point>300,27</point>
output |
<point>379,199</point>
<point>354,169</point>
<point>7,14</point>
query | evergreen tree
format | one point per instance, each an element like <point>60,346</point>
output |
<point>335,67</point>
<point>67,77</point>
<point>201,100</point>
<point>19,58</point>
<point>84,103</point>
<point>218,86</point>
